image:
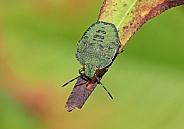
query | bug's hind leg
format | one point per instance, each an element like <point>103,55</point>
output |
<point>120,49</point>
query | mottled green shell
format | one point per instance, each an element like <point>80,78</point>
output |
<point>97,47</point>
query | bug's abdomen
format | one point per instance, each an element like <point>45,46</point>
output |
<point>98,45</point>
<point>99,36</point>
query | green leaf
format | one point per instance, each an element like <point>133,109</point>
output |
<point>129,15</point>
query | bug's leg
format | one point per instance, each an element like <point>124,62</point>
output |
<point>81,72</point>
<point>120,49</point>
<point>70,81</point>
<point>103,87</point>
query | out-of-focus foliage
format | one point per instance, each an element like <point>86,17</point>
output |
<point>37,55</point>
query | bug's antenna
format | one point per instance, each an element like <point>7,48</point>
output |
<point>103,87</point>
<point>70,81</point>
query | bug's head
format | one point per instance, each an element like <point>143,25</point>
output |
<point>90,70</point>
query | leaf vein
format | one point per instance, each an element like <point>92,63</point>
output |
<point>125,15</point>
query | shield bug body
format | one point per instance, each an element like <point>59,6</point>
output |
<point>96,51</point>
<point>97,47</point>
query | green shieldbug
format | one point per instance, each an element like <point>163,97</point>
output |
<point>97,47</point>
<point>96,51</point>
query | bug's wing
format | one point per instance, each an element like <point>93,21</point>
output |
<point>80,93</point>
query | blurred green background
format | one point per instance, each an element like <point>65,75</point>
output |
<point>37,55</point>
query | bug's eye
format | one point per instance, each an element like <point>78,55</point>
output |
<point>81,71</point>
